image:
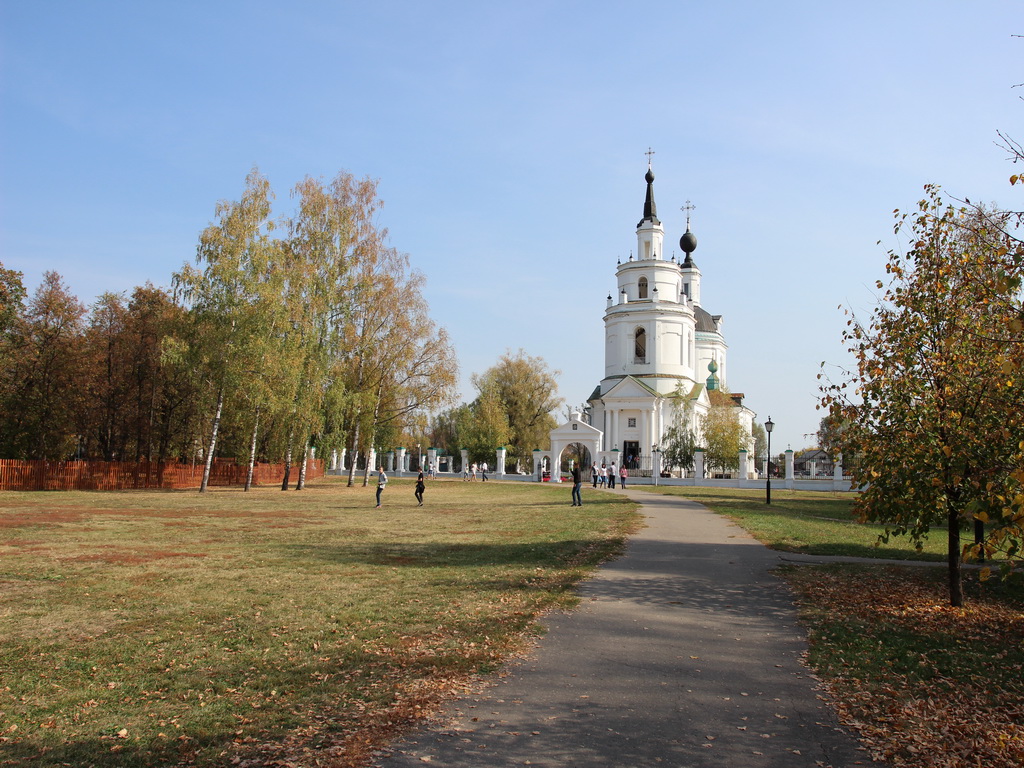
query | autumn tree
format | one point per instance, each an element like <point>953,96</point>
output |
<point>228,299</point>
<point>42,362</point>
<point>12,298</point>
<point>526,390</point>
<point>935,406</point>
<point>161,397</point>
<point>722,434</point>
<point>387,359</point>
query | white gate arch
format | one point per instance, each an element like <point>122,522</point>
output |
<point>573,431</point>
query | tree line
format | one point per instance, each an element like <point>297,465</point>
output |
<point>288,333</point>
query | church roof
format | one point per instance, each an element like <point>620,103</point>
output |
<point>705,320</point>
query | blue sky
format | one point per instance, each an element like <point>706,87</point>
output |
<point>509,142</point>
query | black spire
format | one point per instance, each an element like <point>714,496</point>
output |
<point>650,209</point>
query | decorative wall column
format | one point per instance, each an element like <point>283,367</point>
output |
<point>790,476</point>
<point>656,467</point>
<point>837,474</point>
<point>698,466</point>
<point>371,460</point>
<point>500,468</point>
<point>744,469</point>
<point>465,461</point>
<point>432,458</point>
<point>401,460</point>
<point>334,460</point>
<point>538,464</point>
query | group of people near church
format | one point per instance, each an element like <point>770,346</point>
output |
<point>469,472</point>
<point>603,475</point>
<point>606,474</point>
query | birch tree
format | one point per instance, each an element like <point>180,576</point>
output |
<point>227,298</point>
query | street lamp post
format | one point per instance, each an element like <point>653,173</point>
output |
<point>768,427</point>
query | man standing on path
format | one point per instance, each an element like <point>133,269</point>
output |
<point>611,476</point>
<point>577,481</point>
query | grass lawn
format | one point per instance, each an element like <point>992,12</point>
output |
<point>149,628</point>
<point>811,522</point>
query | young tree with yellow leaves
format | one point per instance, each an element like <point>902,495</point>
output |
<point>935,408</point>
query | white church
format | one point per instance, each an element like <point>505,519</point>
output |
<point>661,345</point>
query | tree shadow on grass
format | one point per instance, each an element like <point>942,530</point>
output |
<point>553,554</point>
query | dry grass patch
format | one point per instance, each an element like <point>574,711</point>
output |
<point>175,628</point>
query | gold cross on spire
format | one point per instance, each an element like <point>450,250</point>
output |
<point>649,152</point>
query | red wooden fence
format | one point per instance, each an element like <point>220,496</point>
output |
<point>123,475</point>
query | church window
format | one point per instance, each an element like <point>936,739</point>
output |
<point>640,346</point>
<point>642,286</point>
<point>631,422</point>
<point>686,289</point>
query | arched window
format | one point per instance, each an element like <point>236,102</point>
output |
<point>640,346</point>
<point>642,286</point>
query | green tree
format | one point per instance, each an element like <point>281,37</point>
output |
<point>527,392</point>
<point>680,441</point>
<point>484,427</point>
<point>757,431</point>
<point>830,432</point>
<point>935,407</point>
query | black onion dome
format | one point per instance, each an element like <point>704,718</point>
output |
<point>688,242</point>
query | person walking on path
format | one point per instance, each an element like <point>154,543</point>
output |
<point>483,471</point>
<point>577,481</point>
<point>611,475</point>
<point>594,470</point>
<point>420,488</point>
<point>602,476</point>
<point>623,474</point>
<point>685,651</point>
<point>382,480</point>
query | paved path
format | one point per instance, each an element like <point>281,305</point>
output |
<point>685,652</point>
